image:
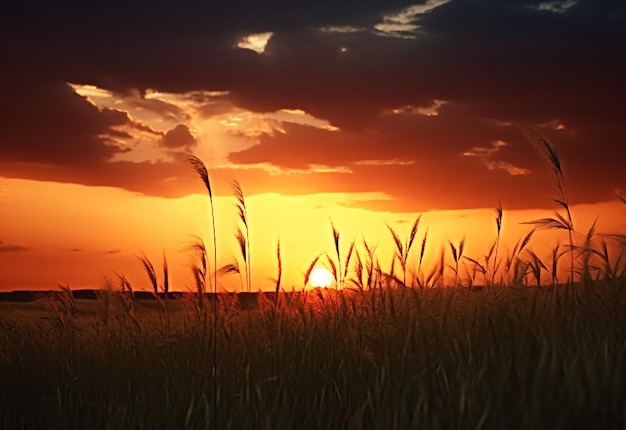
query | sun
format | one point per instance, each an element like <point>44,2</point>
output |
<point>320,277</point>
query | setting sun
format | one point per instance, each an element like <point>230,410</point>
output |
<point>320,277</point>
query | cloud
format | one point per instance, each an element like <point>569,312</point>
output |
<point>485,154</point>
<point>49,123</point>
<point>454,77</point>
<point>13,248</point>
<point>178,137</point>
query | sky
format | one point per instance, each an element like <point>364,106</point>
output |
<point>361,112</point>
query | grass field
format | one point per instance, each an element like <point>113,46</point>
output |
<point>500,341</point>
<point>389,358</point>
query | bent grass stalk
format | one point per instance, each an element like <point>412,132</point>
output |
<point>557,222</point>
<point>201,170</point>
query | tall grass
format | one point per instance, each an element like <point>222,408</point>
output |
<point>388,357</point>
<point>243,236</point>
<point>557,221</point>
<point>201,170</point>
<point>403,249</point>
<point>431,358</point>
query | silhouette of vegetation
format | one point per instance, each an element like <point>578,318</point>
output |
<point>490,342</point>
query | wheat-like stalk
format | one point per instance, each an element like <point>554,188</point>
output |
<point>243,236</point>
<point>546,149</point>
<point>201,170</point>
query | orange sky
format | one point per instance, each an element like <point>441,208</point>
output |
<point>366,114</point>
<point>78,235</point>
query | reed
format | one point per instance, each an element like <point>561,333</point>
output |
<point>457,256</point>
<point>557,221</point>
<point>243,235</point>
<point>404,248</point>
<point>201,170</point>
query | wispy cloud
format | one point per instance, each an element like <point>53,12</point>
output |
<point>13,248</point>
<point>392,162</point>
<point>486,153</point>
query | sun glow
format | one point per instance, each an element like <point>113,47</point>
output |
<point>320,277</point>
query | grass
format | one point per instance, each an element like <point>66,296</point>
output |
<point>408,358</point>
<point>499,343</point>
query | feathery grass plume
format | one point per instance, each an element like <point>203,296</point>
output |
<point>422,251</point>
<point>441,268</point>
<point>348,259</point>
<point>166,276</point>
<point>435,276</point>
<point>151,272</point>
<point>127,296</point>
<point>243,239</point>
<point>228,268</point>
<point>477,267</point>
<point>335,236</point>
<point>514,261</point>
<point>336,273</point>
<point>555,255</point>
<point>457,255</point>
<point>558,222</point>
<point>535,265</point>
<point>608,270</point>
<point>166,289</point>
<point>279,276</point>
<point>307,272</point>
<point>520,246</point>
<point>67,300</point>
<point>499,216</point>
<point>520,271</point>
<point>149,269</point>
<point>370,262</point>
<point>202,171</point>
<point>104,296</point>
<point>586,252</point>
<point>357,280</point>
<point>334,269</point>
<point>403,249</point>
<point>199,268</point>
<point>125,284</point>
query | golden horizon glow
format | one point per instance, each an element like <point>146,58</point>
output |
<point>82,245</point>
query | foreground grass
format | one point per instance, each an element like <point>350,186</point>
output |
<point>387,358</point>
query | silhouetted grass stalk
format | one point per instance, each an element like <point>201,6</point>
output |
<point>201,170</point>
<point>558,221</point>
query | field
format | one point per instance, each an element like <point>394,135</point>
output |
<point>389,358</point>
<point>508,340</point>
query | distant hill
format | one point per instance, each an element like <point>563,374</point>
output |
<point>89,294</point>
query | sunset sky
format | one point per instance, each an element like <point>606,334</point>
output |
<point>364,112</point>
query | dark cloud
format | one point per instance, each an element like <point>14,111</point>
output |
<point>48,123</point>
<point>13,248</point>
<point>152,178</point>
<point>178,137</point>
<point>499,65</point>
